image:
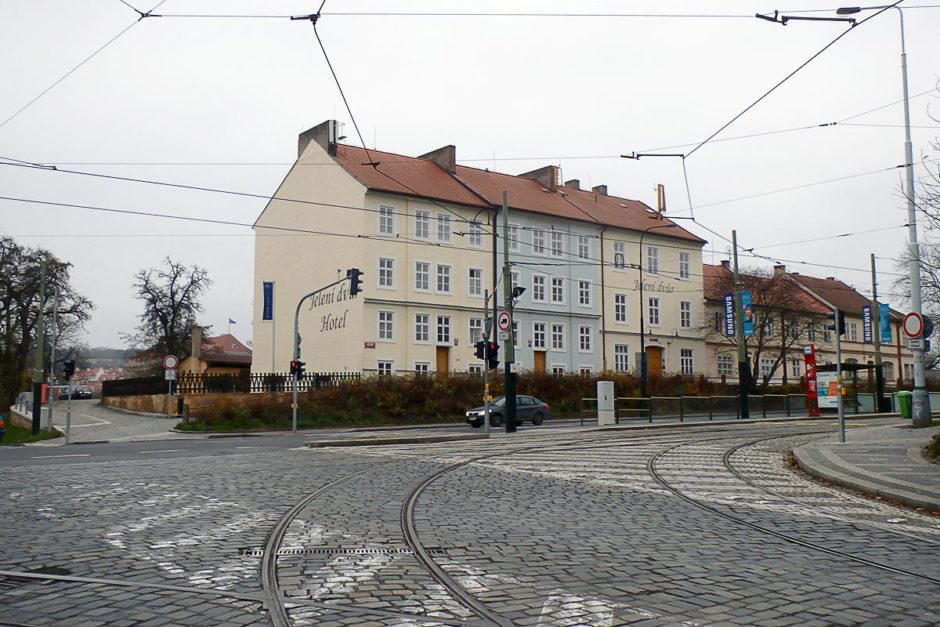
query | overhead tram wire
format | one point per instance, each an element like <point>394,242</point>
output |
<point>791,74</point>
<point>143,15</point>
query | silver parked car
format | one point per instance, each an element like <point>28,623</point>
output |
<point>527,408</point>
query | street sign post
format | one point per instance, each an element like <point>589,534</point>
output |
<point>504,321</point>
<point>170,363</point>
<point>913,325</point>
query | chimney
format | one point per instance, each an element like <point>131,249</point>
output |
<point>575,183</point>
<point>326,134</point>
<point>445,157</point>
<point>196,351</point>
<point>779,270</point>
<point>547,177</point>
<point>726,264</point>
<point>600,189</point>
<point>830,278</point>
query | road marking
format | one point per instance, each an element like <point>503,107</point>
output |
<point>168,450</point>
<point>51,456</point>
<point>268,446</point>
<point>101,420</point>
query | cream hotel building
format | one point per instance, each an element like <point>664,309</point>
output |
<point>427,233</point>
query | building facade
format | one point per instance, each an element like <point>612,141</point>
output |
<point>429,236</point>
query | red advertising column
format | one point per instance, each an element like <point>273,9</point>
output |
<point>812,398</point>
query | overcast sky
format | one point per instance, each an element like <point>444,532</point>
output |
<point>218,102</point>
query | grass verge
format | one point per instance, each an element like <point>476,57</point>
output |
<point>17,435</point>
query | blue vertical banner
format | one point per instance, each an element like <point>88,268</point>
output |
<point>867,334</point>
<point>884,311</point>
<point>729,314</point>
<point>267,311</point>
<point>748,313</point>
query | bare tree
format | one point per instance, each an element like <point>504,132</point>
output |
<point>779,322</point>
<point>171,302</point>
<point>20,284</point>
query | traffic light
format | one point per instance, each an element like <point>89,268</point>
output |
<point>300,369</point>
<point>293,366</point>
<point>479,349</point>
<point>355,280</point>
<point>493,355</point>
<point>840,327</point>
<point>69,369</point>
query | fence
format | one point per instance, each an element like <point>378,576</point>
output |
<point>628,409</point>
<point>202,383</point>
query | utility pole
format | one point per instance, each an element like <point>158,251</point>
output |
<point>509,353</point>
<point>876,338</point>
<point>50,400</point>
<point>743,370</point>
<point>39,371</point>
<point>487,327</point>
<point>838,332</point>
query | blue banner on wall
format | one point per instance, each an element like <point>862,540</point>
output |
<point>748,313</point>
<point>267,311</point>
<point>729,314</point>
<point>884,311</point>
<point>867,335</point>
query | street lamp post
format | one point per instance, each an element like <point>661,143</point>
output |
<point>921,399</point>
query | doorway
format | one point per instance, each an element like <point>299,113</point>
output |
<point>654,360</point>
<point>539,365</point>
<point>443,359</point>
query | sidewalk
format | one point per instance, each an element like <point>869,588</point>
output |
<point>884,461</point>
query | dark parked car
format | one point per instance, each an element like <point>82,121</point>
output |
<point>527,408</point>
<point>78,392</point>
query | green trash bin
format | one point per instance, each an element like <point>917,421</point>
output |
<point>904,403</point>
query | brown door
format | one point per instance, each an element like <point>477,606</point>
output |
<point>443,359</point>
<point>654,360</point>
<point>539,365</point>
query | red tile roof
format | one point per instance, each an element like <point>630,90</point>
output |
<point>422,178</point>
<point>224,345</point>
<point>718,281</point>
<point>834,292</point>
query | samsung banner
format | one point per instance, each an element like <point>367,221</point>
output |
<point>867,335</point>
<point>729,314</point>
<point>748,313</point>
<point>267,311</point>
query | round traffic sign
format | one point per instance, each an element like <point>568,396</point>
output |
<point>170,362</point>
<point>913,325</point>
<point>503,321</point>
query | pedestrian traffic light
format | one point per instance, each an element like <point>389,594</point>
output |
<point>840,327</point>
<point>69,369</point>
<point>479,349</point>
<point>355,280</point>
<point>300,369</point>
<point>493,355</point>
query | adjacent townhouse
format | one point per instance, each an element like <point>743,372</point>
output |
<point>428,233</point>
<point>791,310</point>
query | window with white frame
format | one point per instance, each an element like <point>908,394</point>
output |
<point>768,326</point>
<point>538,242</point>
<point>422,367</point>
<point>584,293</point>
<point>475,281</point>
<point>538,335</point>
<point>557,244</point>
<point>422,327</point>
<point>443,279</point>
<point>620,308</point>
<point>386,325</point>
<point>422,276</point>
<point>620,255</point>
<point>475,234</point>
<point>443,227</point>
<point>475,368</point>
<point>794,330</point>
<point>652,259</point>
<point>827,334</point>
<point>558,290</point>
<point>908,372</point>
<point>422,224</point>
<point>513,237</point>
<point>796,367</point>
<point>443,329</point>
<point>725,365</point>
<point>384,367</point>
<point>685,265</point>
<point>584,247</point>
<point>766,366</point>
<point>585,343</point>
<point>538,288</point>
<point>888,370</point>
<point>686,365</point>
<point>558,336</point>
<point>621,358</point>
<point>558,369</point>
<point>476,330</point>
<point>585,371</point>
<point>386,220</point>
<point>811,332</point>
<point>685,314</point>
<point>386,272</point>
<point>653,317</point>
<point>515,334</point>
<point>853,332</point>
<point>514,280</point>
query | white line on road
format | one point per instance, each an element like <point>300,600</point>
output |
<point>101,420</point>
<point>168,450</point>
<point>51,456</point>
<point>253,446</point>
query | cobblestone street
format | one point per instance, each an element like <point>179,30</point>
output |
<point>693,527</point>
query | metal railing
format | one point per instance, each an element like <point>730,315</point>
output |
<point>695,408</point>
<point>202,383</point>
